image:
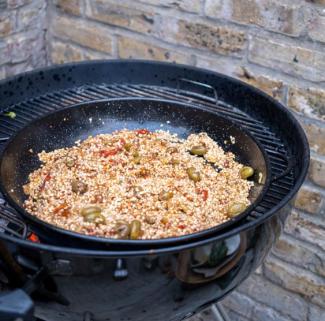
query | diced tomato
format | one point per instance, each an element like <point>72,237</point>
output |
<point>142,131</point>
<point>182,226</point>
<point>204,193</point>
<point>109,152</point>
<point>59,208</point>
<point>46,179</point>
<point>34,238</point>
<point>122,141</point>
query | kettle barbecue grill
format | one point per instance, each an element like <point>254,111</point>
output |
<point>53,279</point>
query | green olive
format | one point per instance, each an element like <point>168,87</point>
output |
<point>171,150</point>
<point>150,219</point>
<point>78,186</point>
<point>92,214</point>
<point>69,162</point>
<point>91,210</point>
<point>165,195</point>
<point>95,218</point>
<point>136,154</point>
<point>174,161</point>
<point>137,160</point>
<point>122,229</point>
<point>198,150</point>
<point>135,229</point>
<point>127,146</point>
<point>193,174</point>
<point>236,208</point>
<point>246,172</point>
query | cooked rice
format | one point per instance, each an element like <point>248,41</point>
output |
<point>126,190</point>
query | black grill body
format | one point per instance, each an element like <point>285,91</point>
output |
<point>176,276</point>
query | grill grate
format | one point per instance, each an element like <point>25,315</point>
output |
<point>38,106</point>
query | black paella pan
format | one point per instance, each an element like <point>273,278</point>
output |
<point>64,127</point>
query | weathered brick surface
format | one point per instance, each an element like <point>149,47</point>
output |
<point>306,229</point>
<point>272,15</point>
<point>69,6</point>
<point>263,291</point>
<point>84,34</point>
<point>316,314</point>
<point>218,64</point>
<point>317,171</point>
<point>210,37</point>
<point>183,5</point>
<point>316,137</point>
<point>271,86</point>
<point>309,101</point>
<point>133,48</point>
<point>252,310</point>
<point>297,280</point>
<point>13,4</point>
<point>7,23</point>
<point>292,59</point>
<point>306,256</point>
<point>308,200</point>
<point>116,14</point>
<point>31,16</point>
<point>316,25</point>
<point>62,52</point>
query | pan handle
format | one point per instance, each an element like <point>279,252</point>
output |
<point>16,305</point>
<point>200,88</point>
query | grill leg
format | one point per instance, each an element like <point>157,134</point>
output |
<point>215,312</point>
<point>220,312</point>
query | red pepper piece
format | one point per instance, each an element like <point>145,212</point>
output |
<point>204,193</point>
<point>109,152</point>
<point>142,131</point>
<point>46,179</point>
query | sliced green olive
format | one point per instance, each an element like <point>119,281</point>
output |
<point>193,174</point>
<point>92,214</point>
<point>246,172</point>
<point>236,208</point>
<point>198,150</point>
<point>174,161</point>
<point>171,150</point>
<point>90,210</point>
<point>150,219</point>
<point>70,162</point>
<point>135,229</point>
<point>78,186</point>
<point>165,195</point>
<point>122,229</point>
<point>95,218</point>
<point>127,146</point>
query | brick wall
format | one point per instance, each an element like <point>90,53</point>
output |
<point>22,35</point>
<point>276,45</point>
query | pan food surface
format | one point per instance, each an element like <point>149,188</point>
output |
<point>139,185</point>
<point>61,129</point>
